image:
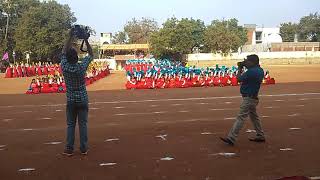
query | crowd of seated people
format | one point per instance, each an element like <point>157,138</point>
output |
<point>161,74</point>
<point>56,84</point>
<point>19,70</point>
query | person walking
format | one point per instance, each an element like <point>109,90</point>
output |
<point>250,85</point>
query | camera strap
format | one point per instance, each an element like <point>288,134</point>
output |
<point>81,47</point>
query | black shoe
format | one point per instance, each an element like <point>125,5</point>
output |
<point>227,141</point>
<point>68,152</point>
<point>257,139</point>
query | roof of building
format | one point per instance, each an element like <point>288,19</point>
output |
<point>125,47</point>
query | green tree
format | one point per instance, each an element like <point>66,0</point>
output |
<point>288,31</point>
<point>42,29</point>
<point>14,10</point>
<point>139,31</point>
<point>178,37</point>
<point>120,38</point>
<point>224,36</point>
<point>309,28</point>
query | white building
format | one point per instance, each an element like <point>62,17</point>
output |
<point>105,38</point>
<point>266,36</point>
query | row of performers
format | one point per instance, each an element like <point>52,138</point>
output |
<point>26,70</point>
<point>187,82</point>
<point>56,84</point>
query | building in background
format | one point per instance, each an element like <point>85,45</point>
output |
<point>105,38</point>
<point>261,35</point>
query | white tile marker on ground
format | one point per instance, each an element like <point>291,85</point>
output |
<point>53,143</point>
<point>113,139</point>
<point>224,154</point>
<point>286,149</point>
<point>163,137</point>
<point>108,164</point>
<point>167,159</point>
<point>26,169</point>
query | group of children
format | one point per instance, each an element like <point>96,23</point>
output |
<point>29,70</point>
<point>159,74</point>
<point>56,84</point>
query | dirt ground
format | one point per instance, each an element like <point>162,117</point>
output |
<point>116,81</point>
<point>125,129</point>
<point>131,131</point>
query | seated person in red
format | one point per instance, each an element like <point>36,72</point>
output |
<point>8,72</point>
<point>131,84</point>
<point>45,87</point>
<point>234,80</point>
<point>54,86</point>
<point>160,83</point>
<point>33,88</point>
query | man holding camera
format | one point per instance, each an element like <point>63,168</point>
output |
<point>77,98</point>
<point>250,86</point>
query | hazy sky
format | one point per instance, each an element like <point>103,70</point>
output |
<point>111,15</point>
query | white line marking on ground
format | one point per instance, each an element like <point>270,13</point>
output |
<point>294,115</point>
<point>225,109</point>
<point>202,103</point>
<point>118,107</point>
<point>315,178</point>
<point>165,100</point>
<point>279,100</point>
<point>223,154</point>
<point>58,110</point>
<point>26,169</point>
<point>167,159</point>
<point>28,129</point>
<point>46,118</point>
<point>2,146</point>
<point>265,116</point>
<point>286,149</point>
<point>176,104</point>
<point>163,137</point>
<point>251,131</point>
<point>230,118</point>
<point>2,149</point>
<point>301,105</point>
<point>108,164</point>
<point>7,120</point>
<point>160,112</point>
<point>154,105</point>
<point>112,139</point>
<point>228,102</point>
<point>206,133</point>
<point>120,114</point>
<point>94,108</point>
<point>183,111</point>
<point>271,107</point>
<point>294,129</point>
<point>53,143</point>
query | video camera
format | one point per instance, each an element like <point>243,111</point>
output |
<point>242,64</point>
<point>81,32</point>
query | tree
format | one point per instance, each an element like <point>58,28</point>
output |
<point>309,28</point>
<point>288,31</point>
<point>224,36</point>
<point>178,37</point>
<point>120,38</point>
<point>42,29</point>
<point>139,31</point>
<point>14,10</point>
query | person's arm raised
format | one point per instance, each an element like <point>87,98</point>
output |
<point>68,42</point>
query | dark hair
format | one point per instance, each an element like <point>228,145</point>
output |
<point>253,58</point>
<point>72,56</point>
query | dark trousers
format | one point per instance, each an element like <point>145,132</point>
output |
<point>80,111</point>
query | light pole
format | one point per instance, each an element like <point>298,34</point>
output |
<point>7,26</point>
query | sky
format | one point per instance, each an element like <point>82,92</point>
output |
<point>112,15</point>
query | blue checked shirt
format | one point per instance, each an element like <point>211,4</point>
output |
<point>74,76</point>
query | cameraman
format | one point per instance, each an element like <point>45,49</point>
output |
<point>77,98</point>
<point>250,86</point>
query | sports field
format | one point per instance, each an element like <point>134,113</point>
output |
<point>165,134</point>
